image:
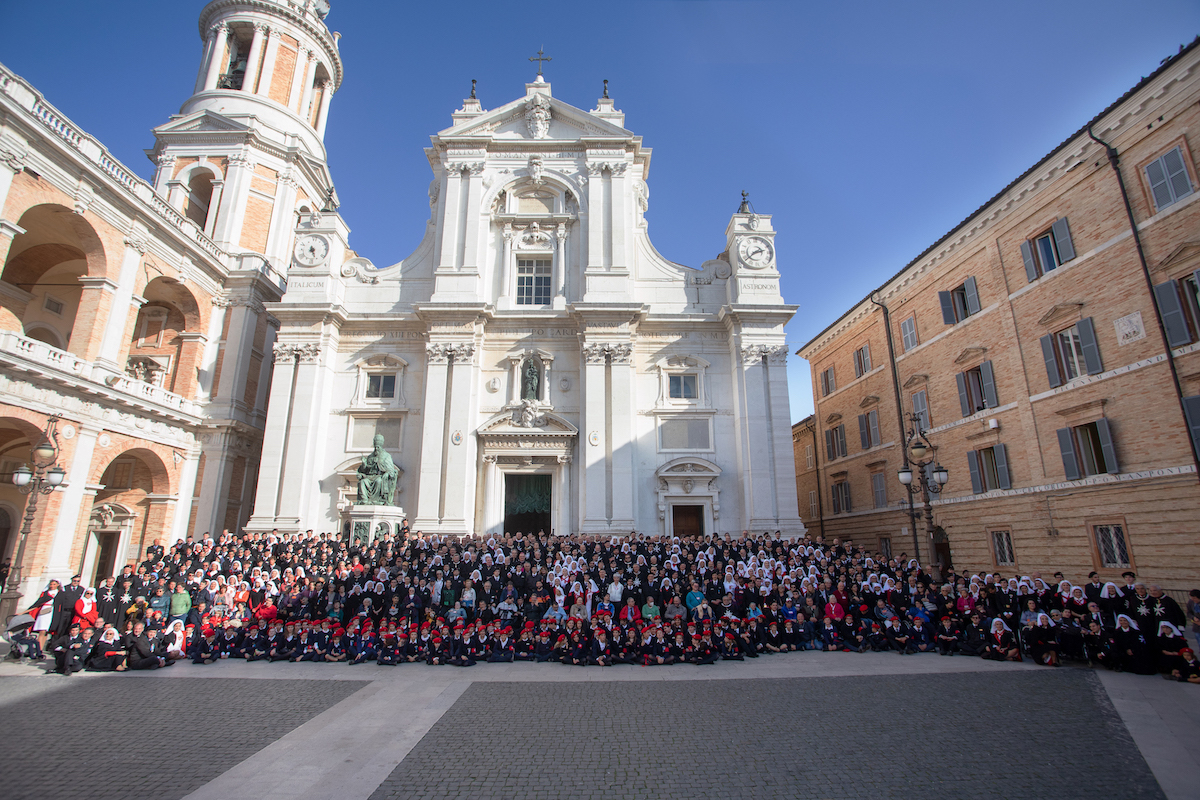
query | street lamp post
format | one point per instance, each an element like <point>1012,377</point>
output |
<point>931,483</point>
<point>42,479</point>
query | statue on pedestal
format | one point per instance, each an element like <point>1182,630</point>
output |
<point>377,475</point>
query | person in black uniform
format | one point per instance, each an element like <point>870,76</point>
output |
<point>69,650</point>
<point>948,635</point>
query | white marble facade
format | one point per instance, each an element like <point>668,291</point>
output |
<point>534,331</point>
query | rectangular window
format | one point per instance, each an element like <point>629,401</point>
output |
<point>885,547</point>
<point>862,361</point>
<point>1002,548</point>
<point>989,469</point>
<point>920,407</point>
<point>960,302</point>
<point>835,442</point>
<point>828,384</point>
<point>363,430</point>
<point>977,389</point>
<point>1047,251</point>
<point>685,434</point>
<point>1179,304</point>
<point>683,387</point>
<point>841,497</point>
<point>381,386</point>
<point>1088,450</point>
<point>1071,353</point>
<point>1168,179</point>
<point>808,456</point>
<point>118,476</point>
<point>1110,543</point>
<point>879,489</point>
<point>813,509</point>
<point>533,282</point>
<point>868,429</point>
<point>908,333</point>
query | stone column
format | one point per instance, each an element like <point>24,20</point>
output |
<point>459,484</point>
<point>252,60</point>
<point>474,217</point>
<point>214,207</point>
<point>594,437</point>
<point>758,485</point>
<point>275,439</point>
<point>70,504</point>
<point>784,464</point>
<point>304,57</point>
<point>220,35</point>
<point>623,438</point>
<point>208,361</point>
<point>309,87</point>
<point>504,302</point>
<point>279,237</point>
<point>326,99</point>
<point>433,434</point>
<point>115,326</point>
<point>560,268</point>
<point>219,455</point>
<point>562,524</point>
<point>308,418</point>
<point>268,64</point>
<point>493,497</point>
<point>186,492</point>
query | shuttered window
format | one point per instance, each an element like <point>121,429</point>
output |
<point>862,361</point>
<point>868,429</point>
<point>812,505</point>
<point>1168,179</point>
<point>1071,353</point>
<point>920,407</point>
<point>1179,305</point>
<point>977,389</point>
<point>1087,450</point>
<point>879,489</point>
<point>808,456</point>
<point>1002,548</point>
<point>989,469</point>
<point>960,302</point>
<point>828,384</point>
<point>1191,407</point>
<point>841,497</point>
<point>908,333</point>
<point>1045,252</point>
<point>835,442</point>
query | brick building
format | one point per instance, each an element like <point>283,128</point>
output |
<point>135,310</point>
<point>1027,341</point>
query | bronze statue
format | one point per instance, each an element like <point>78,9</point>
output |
<point>377,476</point>
<point>530,386</point>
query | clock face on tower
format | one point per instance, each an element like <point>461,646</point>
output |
<point>311,249</point>
<point>756,252</point>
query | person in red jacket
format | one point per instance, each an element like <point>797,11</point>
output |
<point>86,612</point>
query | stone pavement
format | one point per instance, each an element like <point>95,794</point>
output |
<point>800,725</point>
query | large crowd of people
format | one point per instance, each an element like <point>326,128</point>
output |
<point>586,600</point>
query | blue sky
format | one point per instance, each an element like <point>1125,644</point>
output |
<point>867,130</point>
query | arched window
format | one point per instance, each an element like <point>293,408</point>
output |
<point>200,191</point>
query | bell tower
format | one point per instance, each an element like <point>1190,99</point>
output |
<point>245,154</point>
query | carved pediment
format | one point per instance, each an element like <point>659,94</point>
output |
<point>869,400</point>
<point>832,418</point>
<point>970,354</point>
<point>1188,251</point>
<point>201,121</point>
<point>535,116</point>
<point>545,423</point>
<point>1062,312</point>
<point>916,380</point>
<point>688,466</point>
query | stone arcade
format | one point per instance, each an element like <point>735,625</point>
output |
<point>535,363</point>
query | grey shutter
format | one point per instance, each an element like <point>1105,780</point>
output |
<point>973,467</point>
<point>832,380</point>
<point>829,454</point>
<point>1051,361</point>
<point>1157,176</point>
<point>1106,445</point>
<point>873,424</point>
<point>921,408</point>
<point>1167,295</point>
<point>1181,185</point>
<point>863,432</point>
<point>1031,271</point>
<point>846,496</point>
<point>841,440</point>
<point>972,296</point>
<point>1062,240</point>
<point>1002,466</point>
<point>866,349</point>
<point>947,308</point>
<point>1191,409</point>
<point>988,379</point>
<point>1091,349</point>
<point>1066,446</point>
<point>963,398</point>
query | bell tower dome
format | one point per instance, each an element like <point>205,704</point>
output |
<point>245,154</point>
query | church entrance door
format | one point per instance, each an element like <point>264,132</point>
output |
<point>687,520</point>
<point>527,503</point>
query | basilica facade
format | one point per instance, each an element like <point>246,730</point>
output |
<point>218,357</point>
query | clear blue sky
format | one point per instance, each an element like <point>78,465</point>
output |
<point>867,129</point>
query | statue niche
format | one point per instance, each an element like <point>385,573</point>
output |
<point>377,475</point>
<point>531,380</point>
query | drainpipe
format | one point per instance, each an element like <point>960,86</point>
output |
<point>912,513</point>
<point>817,469</point>
<point>1114,160</point>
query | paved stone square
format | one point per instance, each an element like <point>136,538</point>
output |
<point>1002,734</point>
<point>125,736</point>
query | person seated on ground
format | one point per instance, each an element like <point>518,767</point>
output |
<point>175,640</point>
<point>729,648</point>
<point>601,650</point>
<point>336,652</point>
<point>921,636</point>
<point>504,649</point>
<point>1099,648</point>
<point>1001,644</point>
<point>948,635</point>
<point>773,639</point>
<point>974,636</point>
<point>107,654</point>
<point>437,653</point>
<point>142,649</point>
<point>1188,670</point>
<point>283,645</point>
<point>207,650</point>
<point>1042,641</point>
<point>1170,643</point>
<point>898,637</point>
<point>853,635</point>
<point>69,650</point>
<point>460,649</point>
<point>1134,653</point>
